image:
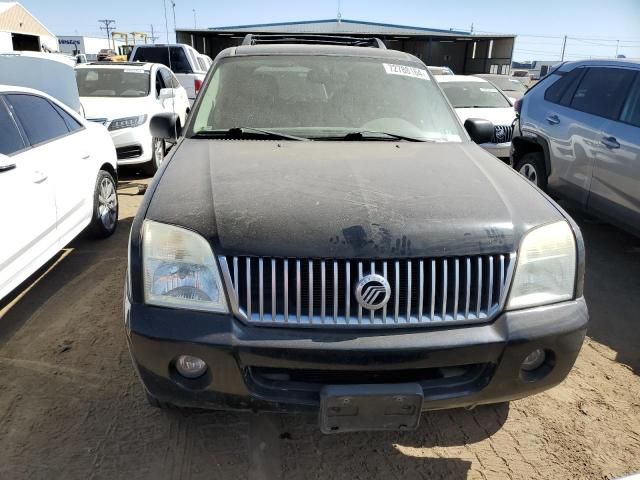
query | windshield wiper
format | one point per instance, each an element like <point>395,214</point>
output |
<point>361,134</point>
<point>239,132</point>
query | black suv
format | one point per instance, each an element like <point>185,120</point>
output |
<point>325,236</point>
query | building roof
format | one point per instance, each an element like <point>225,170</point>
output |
<point>338,26</point>
<point>15,18</point>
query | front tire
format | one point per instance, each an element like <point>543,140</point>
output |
<point>159,148</point>
<point>531,166</point>
<point>105,206</point>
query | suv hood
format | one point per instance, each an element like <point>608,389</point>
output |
<point>347,199</point>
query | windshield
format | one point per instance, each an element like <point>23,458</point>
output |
<point>507,84</point>
<point>325,97</point>
<point>474,95</point>
<point>112,82</point>
<point>172,57</point>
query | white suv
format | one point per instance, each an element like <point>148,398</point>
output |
<point>180,58</point>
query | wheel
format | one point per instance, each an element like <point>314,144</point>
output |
<point>105,206</point>
<point>154,402</point>
<point>531,166</point>
<point>158,148</point>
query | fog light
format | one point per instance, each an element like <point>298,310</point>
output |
<point>533,360</point>
<point>190,367</point>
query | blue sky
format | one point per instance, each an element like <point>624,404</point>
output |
<point>594,24</point>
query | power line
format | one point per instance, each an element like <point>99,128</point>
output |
<point>107,26</point>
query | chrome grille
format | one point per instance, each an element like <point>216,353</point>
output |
<point>320,293</point>
<point>502,133</point>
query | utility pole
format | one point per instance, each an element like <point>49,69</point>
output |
<point>166,22</point>
<point>153,35</point>
<point>195,20</point>
<point>564,46</point>
<point>617,47</point>
<point>107,26</point>
<point>175,32</point>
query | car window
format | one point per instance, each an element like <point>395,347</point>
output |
<point>631,110</point>
<point>168,79</point>
<point>474,95</point>
<point>112,82</point>
<point>40,121</point>
<point>202,63</point>
<point>563,85</point>
<point>10,138</point>
<point>159,82</point>
<point>326,97</point>
<point>72,123</point>
<point>173,57</point>
<point>602,91</point>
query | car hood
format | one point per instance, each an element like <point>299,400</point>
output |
<point>497,116</point>
<point>112,108</point>
<point>347,199</point>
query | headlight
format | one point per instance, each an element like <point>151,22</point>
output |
<point>546,268</point>
<point>180,270</point>
<point>127,122</point>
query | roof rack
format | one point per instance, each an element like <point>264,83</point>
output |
<point>111,62</point>
<point>311,39</point>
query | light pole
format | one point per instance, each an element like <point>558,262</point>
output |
<point>173,7</point>
<point>195,20</point>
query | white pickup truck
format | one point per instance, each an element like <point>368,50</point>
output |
<point>180,58</point>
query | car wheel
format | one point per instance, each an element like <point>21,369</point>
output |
<point>531,166</point>
<point>158,148</point>
<point>105,206</point>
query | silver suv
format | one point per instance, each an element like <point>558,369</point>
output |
<point>578,136</point>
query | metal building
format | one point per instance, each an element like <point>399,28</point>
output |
<point>19,30</point>
<point>463,52</point>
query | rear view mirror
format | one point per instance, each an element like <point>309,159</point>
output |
<point>165,93</point>
<point>165,125</point>
<point>480,130</point>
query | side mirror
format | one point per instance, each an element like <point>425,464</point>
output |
<point>6,163</point>
<point>480,130</point>
<point>166,93</point>
<point>165,125</point>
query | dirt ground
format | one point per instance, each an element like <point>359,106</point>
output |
<point>71,406</point>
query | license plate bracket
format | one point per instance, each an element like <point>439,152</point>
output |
<point>353,408</point>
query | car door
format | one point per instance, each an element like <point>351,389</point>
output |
<point>180,102</point>
<point>63,140</point>
<point>615,189</point>
<point>27,204</point>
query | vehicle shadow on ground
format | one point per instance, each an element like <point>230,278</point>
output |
<point>612,288</point>
<point>84,252</point>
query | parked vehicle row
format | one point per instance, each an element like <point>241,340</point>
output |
<point>578,136</point>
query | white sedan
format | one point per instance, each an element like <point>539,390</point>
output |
<point>473,97</point>
<point>57,177</point>
<point>123,97</point>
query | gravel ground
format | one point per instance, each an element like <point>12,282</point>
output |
<point>71,406</point>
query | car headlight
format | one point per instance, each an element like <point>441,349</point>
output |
<point>546,267</point>
<point>180,270</point>
<point>127,122</point>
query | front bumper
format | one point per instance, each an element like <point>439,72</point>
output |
<point>126,138</point>
<point>486,357</point>
<point>500,150</point>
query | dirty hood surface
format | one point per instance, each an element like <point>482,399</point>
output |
<point>347,199</point>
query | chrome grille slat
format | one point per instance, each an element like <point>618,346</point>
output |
<point>422,291</point>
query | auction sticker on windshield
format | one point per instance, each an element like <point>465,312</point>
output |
<point>393,69</point>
